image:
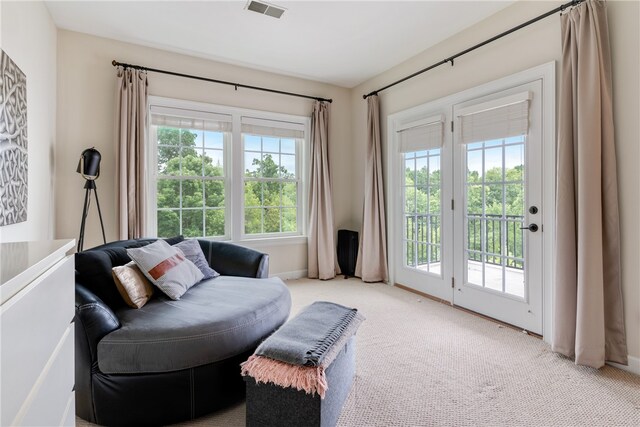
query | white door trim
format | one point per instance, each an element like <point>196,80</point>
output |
<point>547,74</point>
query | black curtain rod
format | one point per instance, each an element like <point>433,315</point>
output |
<point>472,48</point>
<point>206,79</point>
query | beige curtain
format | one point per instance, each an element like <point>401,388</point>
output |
<point>588,311</point>
<point>372,251</point>
<point>131,115</point>
<point>322,249</point>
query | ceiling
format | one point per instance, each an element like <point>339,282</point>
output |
<point>338,42</point>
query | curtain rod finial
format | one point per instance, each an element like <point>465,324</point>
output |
<point>114,63</point>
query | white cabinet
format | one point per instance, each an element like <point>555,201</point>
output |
<point>36,334</point>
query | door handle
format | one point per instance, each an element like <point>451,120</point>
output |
<point>531,227</point>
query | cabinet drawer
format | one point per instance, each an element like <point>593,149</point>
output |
<point>32,324</point>
<point>50,396</point>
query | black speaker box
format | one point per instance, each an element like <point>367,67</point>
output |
<point>347,251</point>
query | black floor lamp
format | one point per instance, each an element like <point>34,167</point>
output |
<point>89,168</point>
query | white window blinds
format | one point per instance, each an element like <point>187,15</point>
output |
<point>273,128</point>
<point>196,120</point>
<point>501,118</point>
<point>421,135</point>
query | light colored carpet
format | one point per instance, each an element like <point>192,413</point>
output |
<point>422,363</point>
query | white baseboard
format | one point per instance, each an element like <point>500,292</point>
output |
<point>291,275</point>
<point>633,366</point>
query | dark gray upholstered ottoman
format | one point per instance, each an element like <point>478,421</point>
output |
<point>269,405</point>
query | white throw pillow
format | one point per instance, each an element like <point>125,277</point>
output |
<point>166,267</point>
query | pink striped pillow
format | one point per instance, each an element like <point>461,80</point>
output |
<point>166,267</point>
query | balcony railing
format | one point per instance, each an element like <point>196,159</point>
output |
<point>498,232</point>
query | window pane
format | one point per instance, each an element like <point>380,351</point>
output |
<point>192,196</point>
<point>422,199</point>
<point>288,146</point>
<point>168,223</point>
<point>214,140</point>
<point>251,164</point>
<point>493,199</point>
<point>493,164</point>
<point>253,220</point>
<point>287,166</point>
<point>493,242</point>
<point>168,195</point>
<point>252,194</point>
<point>189,138</point>
<point>515,199</point>
<point>191,162</point>
<point>252,142</point>
<point>289,220</point>
<point>474,200</point>
<point>214,222</point>
<point>271,194</point>
<point>271,145</point>
<point>410,257</point>
<point>168,161</point>
<point>474,166</point>
<point>434,170</point>
<point>272,220</point>
<point>409,171</point>
<point>214,194</point>
<point>422,171</point>
<point>514,162</point>
<point>409,199</point>
<point>434,200</point>
<point>474,234</point>
<point>213,163</point>
<point>290,194</point>
<point>269,167</point>
<point>192,223</point>
<point>409,227</point>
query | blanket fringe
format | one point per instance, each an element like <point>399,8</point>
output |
<point>309,379</point>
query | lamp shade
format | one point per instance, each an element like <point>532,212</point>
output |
<point>89,164</point>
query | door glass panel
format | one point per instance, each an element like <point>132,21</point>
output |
<point>494,213</point>
<point>422,211</point>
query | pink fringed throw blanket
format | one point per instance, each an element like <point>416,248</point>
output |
<point>310,379</point>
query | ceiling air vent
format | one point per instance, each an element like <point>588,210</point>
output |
<point>265,8</point>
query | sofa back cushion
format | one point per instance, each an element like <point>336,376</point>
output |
<point>94,267</point>
<point>94,271</point>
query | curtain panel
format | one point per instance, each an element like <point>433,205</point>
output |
<point>588,306</point>
<point>321,241</point>
<point>371,265</point>
<point>131,116</point>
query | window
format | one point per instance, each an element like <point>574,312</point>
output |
<point>224,173</point>
<point>420,143</point>
<point>422,211</point>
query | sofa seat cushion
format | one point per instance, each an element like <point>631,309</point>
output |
<point>216,319</point>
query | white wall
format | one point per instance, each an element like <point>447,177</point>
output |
<point>28,36</point>
<point>87,85</point>
<point>534,45</point>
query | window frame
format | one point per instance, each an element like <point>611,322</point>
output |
<point>233,170</point>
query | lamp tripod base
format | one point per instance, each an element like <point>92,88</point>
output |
<point>89,186</point>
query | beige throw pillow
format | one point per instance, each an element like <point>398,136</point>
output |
<point>132,285</point>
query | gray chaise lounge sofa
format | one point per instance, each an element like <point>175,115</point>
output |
<point>170,361</point>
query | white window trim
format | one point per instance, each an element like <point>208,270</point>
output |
<point>234,170</point>
<point>547,74</point>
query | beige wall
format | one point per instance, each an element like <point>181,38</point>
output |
<point>534,45</point>
<point>29,37</point>
<point>86,87</point>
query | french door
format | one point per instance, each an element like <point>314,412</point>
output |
<point>468,208</point>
